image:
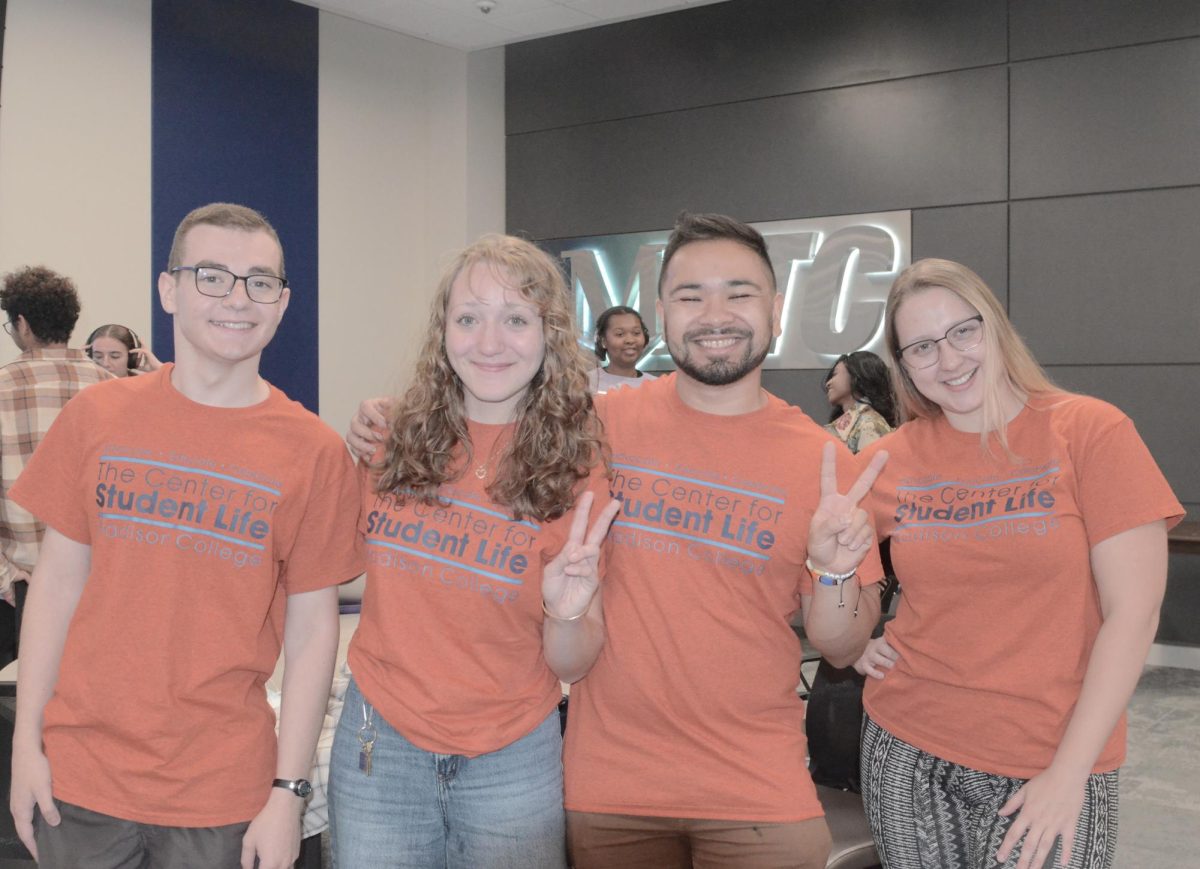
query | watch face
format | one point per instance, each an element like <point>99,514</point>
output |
<point>303,788</point>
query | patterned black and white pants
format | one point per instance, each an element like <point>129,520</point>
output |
<point>929,813</point>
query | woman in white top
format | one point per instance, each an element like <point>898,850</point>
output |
<point>621,338</point>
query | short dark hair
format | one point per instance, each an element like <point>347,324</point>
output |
<point>602,326</point>
<point>47,300</point>
<point>691,228</point>
<point>226,215</point>
<point>870,381</point>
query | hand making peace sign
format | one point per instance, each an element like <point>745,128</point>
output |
<point>570,580</point>
<point>840,533</point>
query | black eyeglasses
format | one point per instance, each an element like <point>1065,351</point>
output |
<point>8,327</point>
<point>961,336</point>
<point>219,283</point>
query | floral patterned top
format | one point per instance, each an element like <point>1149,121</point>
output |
<point>859,426</point>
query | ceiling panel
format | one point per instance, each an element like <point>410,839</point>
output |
<point>461,24</point>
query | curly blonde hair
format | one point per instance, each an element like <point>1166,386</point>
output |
<point>557,440</point>
<point>1017,370</point>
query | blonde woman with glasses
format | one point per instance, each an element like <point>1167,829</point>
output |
<point>1029,532</point>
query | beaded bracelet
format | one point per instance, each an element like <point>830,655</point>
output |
<point>838,579</point>
<point>817,572</point>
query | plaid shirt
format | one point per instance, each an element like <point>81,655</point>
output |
<point>33,389</point>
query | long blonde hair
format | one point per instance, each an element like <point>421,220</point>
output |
<point>1018,371</point>
<point>557,438</point>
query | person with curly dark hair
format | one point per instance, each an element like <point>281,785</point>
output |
<point>860,390</point>
<point>41,308</point>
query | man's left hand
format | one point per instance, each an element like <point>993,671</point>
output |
<point>840,533</point>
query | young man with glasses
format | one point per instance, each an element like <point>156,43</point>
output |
<point>42,308</point>
<point>197,520</point>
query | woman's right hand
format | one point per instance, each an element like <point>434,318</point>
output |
<point>878,658</point>
<point>368,427</point>
<point>146,360</point>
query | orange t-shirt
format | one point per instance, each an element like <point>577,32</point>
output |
<point>691,708</point>
<point>201,520</point>
<point>999,609</point>
<point>449,645</point>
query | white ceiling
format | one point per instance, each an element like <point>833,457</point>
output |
<point>460,24</point>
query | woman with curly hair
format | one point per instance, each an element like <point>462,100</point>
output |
<point>482,584</point>
<point>860,390</point>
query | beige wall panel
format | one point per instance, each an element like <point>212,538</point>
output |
<point>75,153</point>
<point>396,115</point>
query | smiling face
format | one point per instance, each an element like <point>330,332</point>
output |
<point>111,355</point>
<point>624,339</point>
<point>229,331</point>
<point>956,381</point>
<point>719,311</point>
<point>494,341</point>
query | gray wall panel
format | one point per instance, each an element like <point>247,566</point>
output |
<point>1109,279</point>
<point>1178,622</point>
<point>936,140</point>
<point>1111,120</point>
<point>975,235</point>
<point>1038,28</point>
<point>1077,190</point>
<point>805,389</point>
<point>1143,392</point>
<point>742,50</point>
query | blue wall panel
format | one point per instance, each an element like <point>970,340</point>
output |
<point>234,118</point>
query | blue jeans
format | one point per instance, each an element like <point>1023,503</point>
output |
<point>445,811</point>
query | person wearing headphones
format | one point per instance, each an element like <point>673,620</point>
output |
<point>118,350</point>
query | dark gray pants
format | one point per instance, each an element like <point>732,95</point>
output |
<point>90,840</point>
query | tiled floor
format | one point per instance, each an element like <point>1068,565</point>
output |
<point>1160,782</point>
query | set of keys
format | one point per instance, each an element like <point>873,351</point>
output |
<point>366,740</point>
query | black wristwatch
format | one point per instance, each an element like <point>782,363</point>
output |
<point>301,787</point>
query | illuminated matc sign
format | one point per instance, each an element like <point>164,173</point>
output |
<point>835,273</point>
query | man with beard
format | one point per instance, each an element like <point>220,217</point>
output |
<point>685,745</point>
<point>686,740</point>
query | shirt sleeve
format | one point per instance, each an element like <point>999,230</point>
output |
<point>53,486</point>
<point>328,546</point>
<point>1120,485</point>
